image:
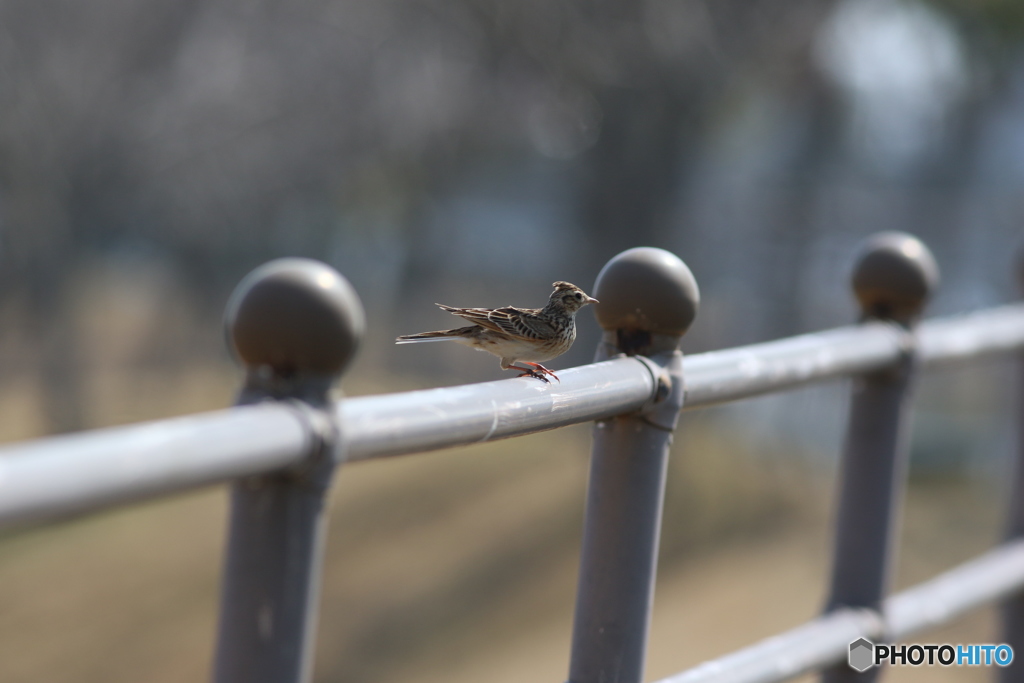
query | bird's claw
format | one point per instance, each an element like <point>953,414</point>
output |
<point>544,371</point>
<point>538,375</point>
<point>539,371</point>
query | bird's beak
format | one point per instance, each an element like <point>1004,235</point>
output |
<point>592,300</point>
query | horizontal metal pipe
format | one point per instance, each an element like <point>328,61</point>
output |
<point>958,338</point>
<point>417,421</point>
<point>803,649</point>
<point>65,474</point>
<point>744,371</point>
<point>996,574</point>
<point>60,475</point>
<point>392,424</point>
<point>824,641</point>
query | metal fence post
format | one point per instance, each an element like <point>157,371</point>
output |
<point>648,300</point>
<point>892,281</point>
<point>1012,611</point>
<point>295,325</point>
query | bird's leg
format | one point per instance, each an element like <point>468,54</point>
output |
<point>542,370</point>
<point>530,371</point>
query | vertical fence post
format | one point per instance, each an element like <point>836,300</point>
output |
<point>295,325</point>
<point>892,280</point>
<point>1013,608</point>
<point>648,300</point>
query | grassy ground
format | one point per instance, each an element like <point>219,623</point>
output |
<point>454,566</point>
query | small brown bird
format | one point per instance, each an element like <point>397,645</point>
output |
<point>514,334</point>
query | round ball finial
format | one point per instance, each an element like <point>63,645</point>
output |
<point>894,276</point>
<point>646,289</point>
<point>295,315</point>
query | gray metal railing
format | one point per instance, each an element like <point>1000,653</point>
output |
<point>295,325</point>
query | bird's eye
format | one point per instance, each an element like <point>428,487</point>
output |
<point>579,297</point>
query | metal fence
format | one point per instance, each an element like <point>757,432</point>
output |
<point>295,325</point>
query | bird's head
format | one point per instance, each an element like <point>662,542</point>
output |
<point>570,297</point>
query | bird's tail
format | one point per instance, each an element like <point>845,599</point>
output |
<point>440,335</point>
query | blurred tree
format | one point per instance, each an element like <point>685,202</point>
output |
<point>225,132</point>
<point>72,75</point>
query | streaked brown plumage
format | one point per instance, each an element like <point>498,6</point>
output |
<point>514,334</point>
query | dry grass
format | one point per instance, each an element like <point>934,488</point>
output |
<point>455,566</point>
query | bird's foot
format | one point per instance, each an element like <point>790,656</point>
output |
<point>542,370</point>
<point>527,372</point>
<point>537,371</point>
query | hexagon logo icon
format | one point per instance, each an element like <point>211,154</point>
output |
<point>862,655</point>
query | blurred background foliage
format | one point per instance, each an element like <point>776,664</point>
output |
<point>471,152</point>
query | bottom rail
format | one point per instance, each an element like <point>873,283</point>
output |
<point>824,641</point>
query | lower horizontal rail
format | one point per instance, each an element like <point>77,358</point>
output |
<point>992,576</point>
<point>825,641</point>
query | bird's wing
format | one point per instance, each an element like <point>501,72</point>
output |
<point>516,322</point>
